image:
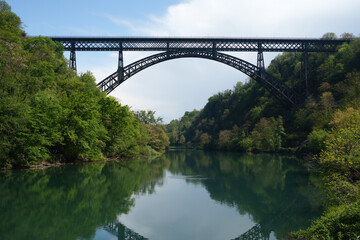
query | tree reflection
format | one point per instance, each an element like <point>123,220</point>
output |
<point>269,187</point>
<point>72,202</point>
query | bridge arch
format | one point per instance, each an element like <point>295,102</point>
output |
<point>275,86</point>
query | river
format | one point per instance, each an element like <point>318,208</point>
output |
<point>181,195</point>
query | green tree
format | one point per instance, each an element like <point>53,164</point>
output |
<point>317,140</point>
<point>267,134</point>
<point>83,132</point>
<point>148,117</point>
<point>123,132</point>
<point>49,113</point>
<point>225,137</point>
<point>329,35</point>
<point>204,139</point>
<point>340,160</point>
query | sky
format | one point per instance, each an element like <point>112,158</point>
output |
<point>173,87</point>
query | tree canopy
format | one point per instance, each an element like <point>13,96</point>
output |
<point>50,113</point>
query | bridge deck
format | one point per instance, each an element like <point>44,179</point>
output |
<point>215,44</point>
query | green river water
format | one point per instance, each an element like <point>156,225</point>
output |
<point>181,195</point>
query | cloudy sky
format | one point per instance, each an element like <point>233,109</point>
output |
<point>176,86</point>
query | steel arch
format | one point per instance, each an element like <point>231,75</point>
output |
<point>275,86</point>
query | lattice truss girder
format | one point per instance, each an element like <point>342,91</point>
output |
<point>274,85</point>
<point>255,233</point>
<point>199,47</point>
<point>227,44</point>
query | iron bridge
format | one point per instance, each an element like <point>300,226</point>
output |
<point>207,48</point>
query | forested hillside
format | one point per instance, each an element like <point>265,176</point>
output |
<point>49,113</point>
<point>248,117</point>
<point>327,124</point>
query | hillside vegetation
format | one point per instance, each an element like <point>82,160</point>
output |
<point>249,118</point>
<point>327,124</point>
<point>49,113</point>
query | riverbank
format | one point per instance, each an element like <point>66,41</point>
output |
<point>44,165</point>
<point>340,168</point>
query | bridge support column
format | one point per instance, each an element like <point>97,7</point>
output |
<point>214,50</point>
<point>73,56</point>
<point>121,65</point>
<point>304,78</point>
<point>260,63</point>
<point>260,60</point>
<point>167,49</point>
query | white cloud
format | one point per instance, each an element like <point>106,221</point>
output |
<point>244,18</point>
<point>173,87</point>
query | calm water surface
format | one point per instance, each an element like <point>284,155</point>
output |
<point>182,195</point>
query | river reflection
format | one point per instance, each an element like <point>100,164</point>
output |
<point>182,195</point>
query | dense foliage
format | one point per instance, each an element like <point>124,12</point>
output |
<point>248,118</point>
<point>340,163</point>
<point>49,113</point>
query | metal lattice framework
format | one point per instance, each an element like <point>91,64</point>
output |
<point>208,48</point>
<point>122,232</point>
<point>274,85</point>
<point>219,44</point>
<point>255,233</point>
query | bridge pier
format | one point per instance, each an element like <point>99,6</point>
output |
<point>214,50</point>
<point>120,69</point>
<point>73,56</point>
<point>167,49</point>
<point>260,63</point>
<point>260,60</point>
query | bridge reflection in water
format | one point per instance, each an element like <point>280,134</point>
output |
<point>257,232</point>
<point>123,233</point>
<point>254,233</point>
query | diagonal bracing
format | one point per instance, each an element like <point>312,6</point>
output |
<point>277,87</point>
